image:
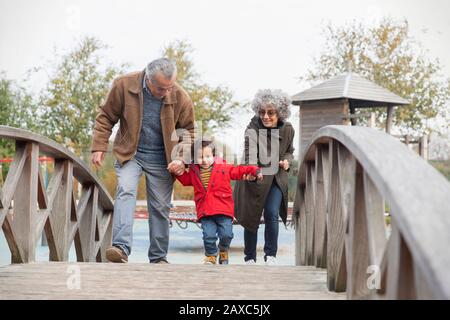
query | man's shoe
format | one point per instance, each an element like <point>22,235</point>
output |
<point>251,261</point>
<point>210,260</point>
<point>160,260</point>
<point>223,257</point>
<point>115,254</point>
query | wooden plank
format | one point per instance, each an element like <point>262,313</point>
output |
<point>419,200</point>
<point>105,238</point>
<point>12,178</point>
<point>381,292</point>
<point>55,182</point>
<point>389,119</point>
<point>347,173</point>
<point>400,274</point>
<point>407,287</point>
<point>52,149</point>
<point>303,230</point>
<point>87,227</point>
<point>423,291</point>
<point>313,105</point>
<point>3,213</point>
<point>42,193</point>
<point>320,211</point>
<point>52,191</point>
<point>358,244</point>
<point>73,208</point>
<point>296,215</point>
<point>10,238</point>
<point>146,281</point>
<point>336,227</point>
<point>25,206</point>
<point>60,216</point>
<point>1,198</point>
<point>326,170</point>
<point>86,193</point>
<point>74,234</point>
<point>39,224</point>
<point>77,243</point>
<point>376,226</point>
<point>44,211</point>
<point>309,209</point>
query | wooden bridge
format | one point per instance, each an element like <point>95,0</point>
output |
<point>348,178</point>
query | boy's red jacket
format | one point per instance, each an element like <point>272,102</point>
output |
<point>218,198</point>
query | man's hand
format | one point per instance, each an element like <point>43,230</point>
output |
<point>176,167</point>
<point>284,164</point>
<point>97,158</point>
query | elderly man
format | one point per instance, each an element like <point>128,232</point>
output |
<point>152,109</point>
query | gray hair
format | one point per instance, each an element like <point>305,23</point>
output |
<point>275,98</point>
<point>163,65</point>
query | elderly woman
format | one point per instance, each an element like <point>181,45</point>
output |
<point>268,144</point>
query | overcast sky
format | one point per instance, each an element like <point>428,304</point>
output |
<point>243,44</point>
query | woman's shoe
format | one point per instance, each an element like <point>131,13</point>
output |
<point>271,260</point>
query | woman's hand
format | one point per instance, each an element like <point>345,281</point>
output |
<point>284,164</point>
<point>260,176</point>
<point>248,177</point>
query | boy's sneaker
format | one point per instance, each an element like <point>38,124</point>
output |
<point>251,261</point>
<point>115,254</point>
<point>210,260</point>
<point>271,260</point>
<point>223,257</point>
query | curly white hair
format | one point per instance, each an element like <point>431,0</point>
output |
<point>275,98</point>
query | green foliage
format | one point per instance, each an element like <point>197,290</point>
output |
<point>75,90</point>
<point>213,105</point>
<point>387,55</point>
<point>17,109</point>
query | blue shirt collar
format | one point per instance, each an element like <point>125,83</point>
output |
<point>144,85</point>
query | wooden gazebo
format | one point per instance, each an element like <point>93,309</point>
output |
<point>336,100</point>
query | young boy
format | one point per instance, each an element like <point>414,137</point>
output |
<point>210,177</point>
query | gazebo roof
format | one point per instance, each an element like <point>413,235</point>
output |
<point>360,92</point>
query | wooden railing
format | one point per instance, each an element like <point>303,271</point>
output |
<point>27,208</point>
<point>349,178</point>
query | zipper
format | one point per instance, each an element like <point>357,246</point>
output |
<point>197,172</point>
<point>141,112</point>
